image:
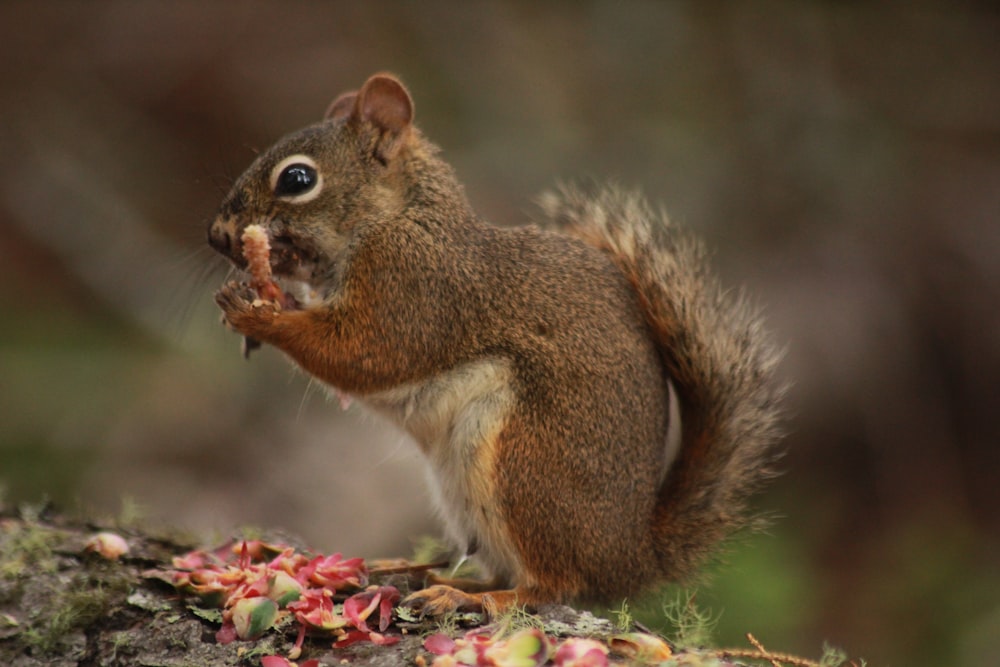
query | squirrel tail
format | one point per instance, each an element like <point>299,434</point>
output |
<point>717,356</point>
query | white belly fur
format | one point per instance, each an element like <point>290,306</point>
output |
<point>455,418</point>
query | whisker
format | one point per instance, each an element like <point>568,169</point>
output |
<point>311,387</point>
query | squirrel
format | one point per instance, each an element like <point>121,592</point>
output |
<point>593,408</point>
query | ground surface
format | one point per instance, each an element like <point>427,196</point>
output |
<point>63,605</point>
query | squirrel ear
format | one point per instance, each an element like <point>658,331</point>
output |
<point>385,103</point>
<point>342,106</point>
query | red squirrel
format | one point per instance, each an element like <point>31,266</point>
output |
<point>593,408</point>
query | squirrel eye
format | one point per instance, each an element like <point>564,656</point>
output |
<point>295,179</point>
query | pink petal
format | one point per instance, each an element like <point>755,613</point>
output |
<point>244,562</point>
<point>359,607</point>
<point>109,545</point>
<point>641,646</point>
<point>288,561</point>
<point>382,640</point>
<point>297,648</point>
<point>189,561</point>
<point>259,550</point>
<point>336,573</point>
<point>440,644</point>
<point>352,637</point>
<point>577,652</point>
<point>253,616</point>
<point>390,596</point>
<point>283,588</point>
<point>525,648</point>
<point>226,634</point>
<point>274,661</point>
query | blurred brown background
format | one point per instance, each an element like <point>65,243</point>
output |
<point>842,159</point>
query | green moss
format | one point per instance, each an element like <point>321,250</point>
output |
<point>252,653</point>
<point>516,618</point>
<point>833,657</point>
<point>690,626</point>
<point>55,606</point>
<point>623,617</point>
<point>26,546</point>
<point>121,641</point>
<point>73,610</point>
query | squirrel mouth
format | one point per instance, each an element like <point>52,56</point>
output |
<point>279,269</point>
<point>294,270</point>
<point>289,260</point>
<point>302,293</point>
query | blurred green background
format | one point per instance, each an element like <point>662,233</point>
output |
<point>840,157</point>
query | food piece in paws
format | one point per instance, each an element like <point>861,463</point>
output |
<point>257,252</point>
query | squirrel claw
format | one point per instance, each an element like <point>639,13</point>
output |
<point>437,601</point>
<point>243,311</point>
<point>234,296</point>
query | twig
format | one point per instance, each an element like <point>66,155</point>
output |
<point>760,647</point>
<point>761,653</point>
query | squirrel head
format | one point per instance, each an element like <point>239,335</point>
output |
<point>314,186</point>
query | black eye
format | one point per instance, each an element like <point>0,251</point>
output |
<point>295,179</point>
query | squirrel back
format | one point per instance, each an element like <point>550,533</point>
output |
<point>533,367</point>
<point>718,358</point>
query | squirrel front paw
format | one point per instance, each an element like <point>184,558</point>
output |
<point>244,311</point>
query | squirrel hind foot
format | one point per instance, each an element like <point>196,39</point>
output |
<point>440,600</point>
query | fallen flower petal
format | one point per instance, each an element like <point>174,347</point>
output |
<point>255,584</point>
<point>641,647</point>
<point>256,581</point>
<point>575,652</point>
<point>315,608</point>
<point>284,589</point>
<point>359,607</point>
<point>352,637</point>
<point>275,661</point>
<point>382,640</point>
<point>390,596</point>
<point>278,661</point>
<point>469,655</point>
<point>190,561</point>
<point>527,648</point>
<point>252,617</point>
<point>335,573</point>
<point>201,558</point>
<point>226,634</point>
<point>471,648</point>
<point>288,561</point>
<point>258,550</point>
<point>440,644</point>
<point>244,552</point>
<point>109,545</point>
<point>297,647</point>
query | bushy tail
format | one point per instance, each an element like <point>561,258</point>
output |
<point>718,359</point>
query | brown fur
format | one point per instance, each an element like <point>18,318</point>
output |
<point>532,366</point>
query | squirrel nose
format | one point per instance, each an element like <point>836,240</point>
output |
<point>220,237</point>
